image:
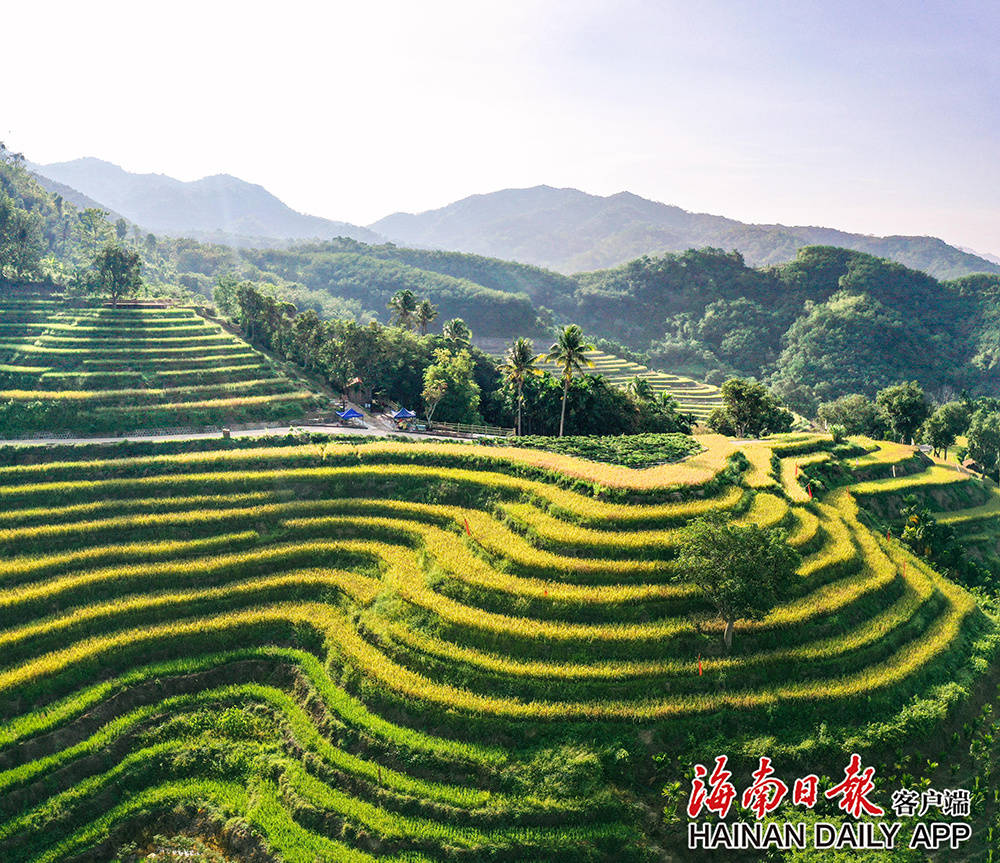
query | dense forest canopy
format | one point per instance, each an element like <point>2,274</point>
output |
<point>829,322</point>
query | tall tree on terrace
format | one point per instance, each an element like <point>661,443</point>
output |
<point>21,240</point>
<point>426,312</point>
<point>403,306</point>
<point>118,271</point>
<point>518,363</point>
<point>570,352</point>
<point>744,570</point>
<point>749,409</point>
<point>905,407</point>
<point>248,301</point>
<point>984,439</point>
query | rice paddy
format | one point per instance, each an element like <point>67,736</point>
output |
<point>363,651</point>
<point>692,396</point>
<point>68,366</point>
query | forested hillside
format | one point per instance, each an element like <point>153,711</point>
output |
<point>341,278</point>
<point>830,322</point>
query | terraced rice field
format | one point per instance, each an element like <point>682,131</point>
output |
<point>967,504</point>
<point>693,397</point>
<point>376,651</point>
<point>101,369</point>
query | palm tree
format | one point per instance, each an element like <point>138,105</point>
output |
<point>570,352</point>
<point>456,330</point>
<point>518,363</point>
<point>642,389</point>
<point>404,308</point>
<point>425,313</point>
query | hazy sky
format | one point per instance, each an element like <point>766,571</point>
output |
<point>880,117</point>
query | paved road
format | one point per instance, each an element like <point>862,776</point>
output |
<point>371,431</point>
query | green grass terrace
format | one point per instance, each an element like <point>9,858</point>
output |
<point>96,369</point>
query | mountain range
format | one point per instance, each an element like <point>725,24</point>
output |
<point>220,208</point>
<point>565,230</point>
<point>571,231</point>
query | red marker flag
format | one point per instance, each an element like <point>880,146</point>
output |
<point>699,665</point>
<point>888,534</point>
<point>796,470</point>
<point>810,488</point>
<point>469,532</point>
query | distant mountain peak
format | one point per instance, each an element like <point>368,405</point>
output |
<point>561,228</point>
<point>220,205</point>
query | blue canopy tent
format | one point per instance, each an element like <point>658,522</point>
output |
<point>403,414</point>
<point>351,417</point>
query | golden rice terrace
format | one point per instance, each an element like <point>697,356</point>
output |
<point>100,369</point>
<point>392,651</point>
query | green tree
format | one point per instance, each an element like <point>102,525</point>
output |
<point>224,294</point>
<point>925,535</point>
<point>749,410</point>
<point>119,272</point>
<point>457,332</point>
<point>518,363</point>
<point>425,315</point>
<point>570,353</point>
<point>434,390</point>
<point>957,414</point>
<point>352,355</point>
<point>984,440</point>
<point>743,570</point>
<point>307,332</point>
<point>450,386</point>
<point>92,231</point>
<point>642,389</point>
<point>250,315</point>
<point>22,242</point>
<point>944,425</point>
<point>121,230</point>
<point>905,408</point>
<point>403,306</point>
<point>855,413</point>
<point>936,432</point>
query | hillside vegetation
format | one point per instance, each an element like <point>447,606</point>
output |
<point>437,652</point>
<point>830,322</point>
